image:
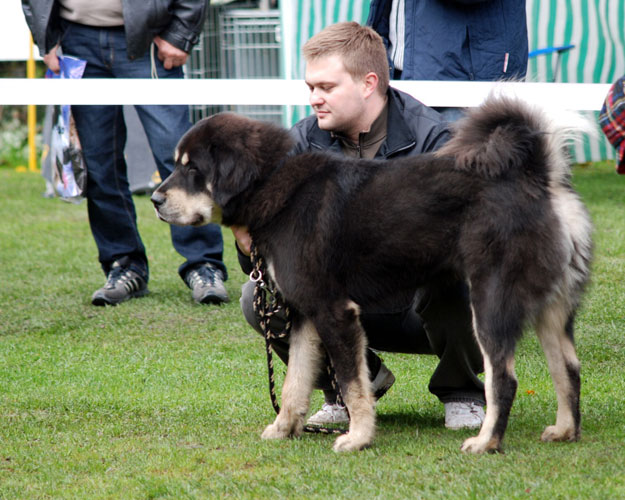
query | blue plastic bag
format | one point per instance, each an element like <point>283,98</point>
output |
<point>68,167</point>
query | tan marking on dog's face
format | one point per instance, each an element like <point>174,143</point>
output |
<point>183,209</point>
<point>185,159</point>
<point>176,155</point>
<point>353,306</point>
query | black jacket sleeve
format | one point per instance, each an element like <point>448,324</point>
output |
<point>244,260</point>
<point>187,22</point>
<point>43,21</point>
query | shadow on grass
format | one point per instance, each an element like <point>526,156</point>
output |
<point>409,419</point>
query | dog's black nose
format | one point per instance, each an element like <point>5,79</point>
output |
<point>157,198</point>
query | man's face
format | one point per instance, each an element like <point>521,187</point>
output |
<point>338,101</point>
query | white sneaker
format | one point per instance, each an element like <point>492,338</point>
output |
<point>463,415</point>
<point>329,414</point>
<point>337,414</point>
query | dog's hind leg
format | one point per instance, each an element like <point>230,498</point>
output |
<point>305,360</point>
<point>497,335</point>
<point>555,323</point>
<point>555,331</point>
<point>345,341</point>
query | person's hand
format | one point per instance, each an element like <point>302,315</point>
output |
<point>244,240</point>
<point>171,56</point>
<point>51,60</point>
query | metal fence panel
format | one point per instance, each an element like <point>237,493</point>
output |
<point>239,43</point>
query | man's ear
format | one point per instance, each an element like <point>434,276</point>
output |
<point>370,83</point>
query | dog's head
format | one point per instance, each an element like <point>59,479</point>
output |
<point>217,160</point>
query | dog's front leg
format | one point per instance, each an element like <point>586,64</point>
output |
<point>346,344</point>
<point>359,401</point>
<point>305,357</point>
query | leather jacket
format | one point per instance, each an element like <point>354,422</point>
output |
<point>177,21</point>
<point>413,128</point>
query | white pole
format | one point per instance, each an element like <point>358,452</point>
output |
<point>287,24</point>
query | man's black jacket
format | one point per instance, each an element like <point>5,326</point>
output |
<point>177,21</point>
<point>413,128</point>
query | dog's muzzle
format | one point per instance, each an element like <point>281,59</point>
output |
<point>158,199</point>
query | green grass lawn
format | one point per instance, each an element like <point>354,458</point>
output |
<point>163,398</point>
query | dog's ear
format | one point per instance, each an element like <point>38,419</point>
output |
<point>252,151</point>
<point>234,172</point>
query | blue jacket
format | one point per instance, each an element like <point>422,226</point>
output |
<point>482,40</point>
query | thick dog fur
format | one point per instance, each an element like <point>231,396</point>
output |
<point>495,206</point>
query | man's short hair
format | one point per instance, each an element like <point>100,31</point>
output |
<point>360,48</point>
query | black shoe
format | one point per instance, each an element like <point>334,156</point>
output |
<point>207,284</point>
<point>121,284</point>
<point>382,382</point>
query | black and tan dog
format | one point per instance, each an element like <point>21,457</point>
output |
<point>495,206</point>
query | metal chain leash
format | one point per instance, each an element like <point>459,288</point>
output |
<point>268,302</point>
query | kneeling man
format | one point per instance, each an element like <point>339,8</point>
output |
<point>358,115</point>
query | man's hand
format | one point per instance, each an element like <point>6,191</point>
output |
<point>171,56</point>
<point>51,60</point>
<point>244,240</point>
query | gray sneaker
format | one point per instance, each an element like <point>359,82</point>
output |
<point>121,284</point>
<point>207,284</point>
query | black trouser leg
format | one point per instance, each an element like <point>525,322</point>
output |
<point>448,322</point>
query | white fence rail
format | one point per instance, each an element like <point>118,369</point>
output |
<point>572,96</point>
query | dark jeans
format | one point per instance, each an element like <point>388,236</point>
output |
<point>439,322</point>
<point>102,134</point>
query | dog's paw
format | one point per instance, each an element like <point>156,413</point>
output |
<point>274,431</point>
<point>347,442</point>
<point>553,433</point>
<point>476,445</point>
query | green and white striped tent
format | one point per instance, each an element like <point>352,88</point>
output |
<point>596,28</point>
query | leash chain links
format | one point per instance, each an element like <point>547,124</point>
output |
<point>267,303</point>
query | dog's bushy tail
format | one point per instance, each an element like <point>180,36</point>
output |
<point>507,133</point>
